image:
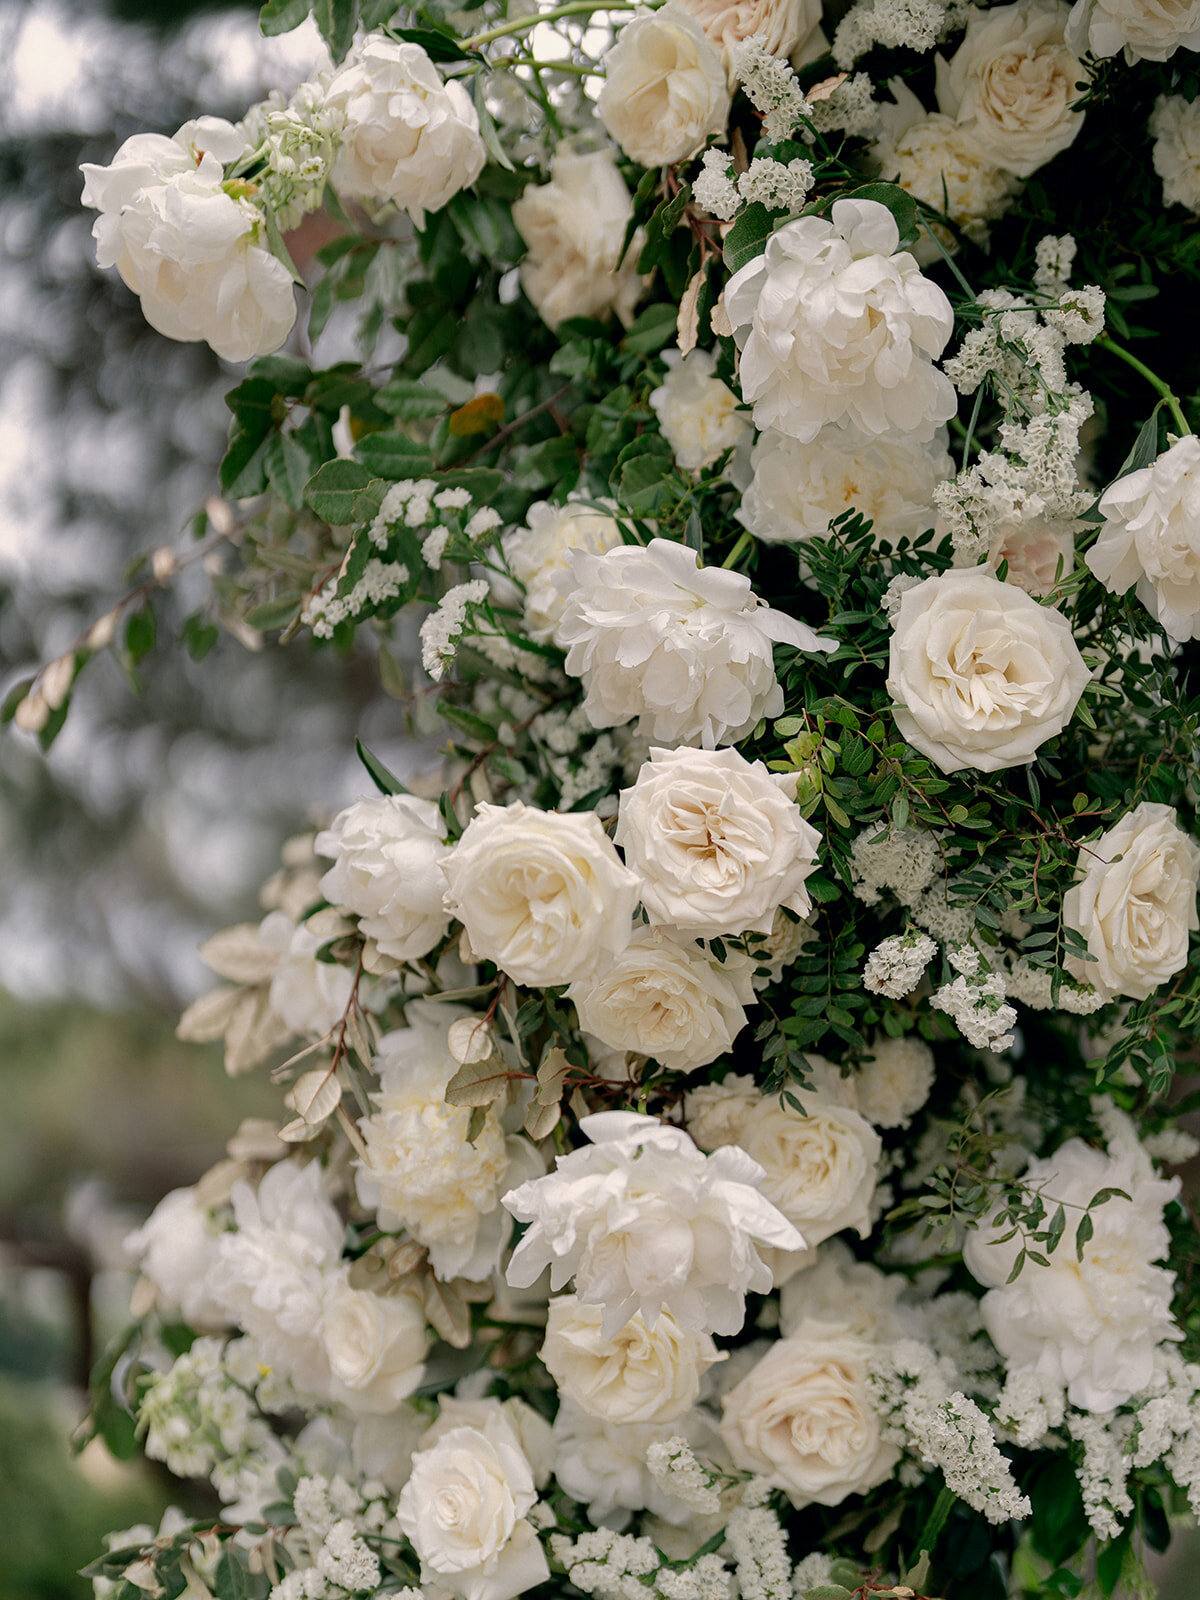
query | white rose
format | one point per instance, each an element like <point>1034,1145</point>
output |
<point>175,1247</point>
<point>717,841</point>
<point>603,1465</point>
<point>543,894</point>
<point>1151,538</point>
<point>838,1288</point>
<point>541,550</point>
<point>190,250</point>
<point>531,1430</point>
<point>1091,1323</point>
<point>1012,83</point>
<point>982,675</point>
<point>387,852</point>
<point>308,995</point>
<point>376,1347</point>
<point>698,414</point>
<point>1136,912</point>
<point>782,25</point>
<point>664,90</point>
<point>1147,30</point>
<point>1175,129</point>
<point>666,999</point>
<point>406,136</point>
<point>798,488</point>
<point>805,1420</point>
<point>1040,552</point>
<point>685,649</point>
<point>642,1374</point>
<point>894,1081</point>
<point>464,1508</point>
<point>574,226</point>
<point>644,1222</point>
<point>835,326</point>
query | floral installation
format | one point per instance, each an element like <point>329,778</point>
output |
<point>726,1116</point>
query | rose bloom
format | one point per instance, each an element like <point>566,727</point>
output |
<point>982,675</point>
<point>539,551</point>
<point>406,136</point>
<point>782,25</point>
<point>1147,30</point>
<point>798,489</point>
<point>387,852</point>
<point>174,1248</point>
<point>1091,1323</point>
<point>644,1222</point>
<point>308,995</point>
<point>573,227</point>
<point>1040,552</point>
<point>893,1082</point>
<point>641,1374</point>
<point>839,1288</point>
<point>1012,83</point>
<point>667,999</point>
<point>685,649</point>
<point>697,413</point>
<point>835,326</point>
<point>543,894</point>
<point>602,1464</point>
<point>664,91</point>
<point>1151,538</point>
<point>1175,128</point>
<point>717,841</point>
<point>376,1347</point>
<point>191,252</point>
<point>1135,913</point>
<point>804,1418</point>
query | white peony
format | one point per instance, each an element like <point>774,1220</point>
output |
<point>641,1374</point>
<point>1175,129</point>
<point>1040,552</point>
<point>804,1417</point>
<point>539,551</point>
<point>308,995</point>
<point>191,251</point>
<point>645,1222</point>
<point>664,91</point>
<point>685,649</point>
<point>1151,538</point>
<point>376,1347</point>
<point>387,852</point>
<point>782,26</point>
<point>1135,903</point>
<point>1012,83</point>
<point>835,326</point>
<point>1090,1321</point>
<point>1146,30</point>
<point>666,999</point>
<point>717,841</point>
<point>406,136</point>
<point>603,1465</point>
<point>574,226</point>
<point>174,1248</point>
<point>839,1288</point>
<point>893,1082</point>
<point>543,894</point>
<point>981,674</point>
<point>797,488</point>
<point>698,414</point>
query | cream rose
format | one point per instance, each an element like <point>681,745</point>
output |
<point>804,1419</point>
<point>1175,129</point>
<point>839,1288</point>
<point>698,414</point>
<point>543,894</point>
<point>573,227</point>
<point>1146,30</point>
<point>894,1081</point>
<point>642,1374</point>
<point>982,675</point>
<point>541,550</point>
<point>1040,552</point>
<point>387,852</point>
<point>782,25</point>
<point>1135,913</point>
<point>1012,83</point>
<point>664,88</point>
<point>376,1346</point>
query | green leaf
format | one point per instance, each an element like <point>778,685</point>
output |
<point>438,46</point>
<point>332,491</point>
<point>273,614</point>
<point>336,19</point>
<point>392,456</point>
<point>199,635</point>
<point>487,126</point>
<point>1083,1233</point>
<point>408,399</point>
<point>651,330</point>
<point>659,228</point>
<point>748,236</point>
<point>140,634</point>
<point>1145,446</point>
<point>383,780</point>
<point>281,16</point>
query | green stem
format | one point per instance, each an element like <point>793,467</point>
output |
<point>937,1519</point>
<point>574,8</point>
<point>739,549</point>
<point>1152,378</point>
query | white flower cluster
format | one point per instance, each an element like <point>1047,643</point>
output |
<point>976,1003</point>
<point>771,86</point>
<point>904,861</point>
<point>201,1421</point>
<point>896,966</point>
<point>337,1522</point>
<point>296,140</point>
<point>901,24</point>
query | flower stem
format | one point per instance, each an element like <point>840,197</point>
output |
<point>937,1519</point>
<point>573,8</point>
<point>1152,378</point>
<point>739,549</point>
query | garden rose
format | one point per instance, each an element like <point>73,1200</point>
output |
<point>894,1081</point>
<point>175,1247</point>
<point>698,413</point>
<point>406,136</point>
<point>574,226</point>
<point>603,1464</point>
<point>1175,129</point>
<point>543,894</point>
<point>982,675</point>
<point>387,852</point>
<point>1146,30</point>
<point>782,25</point>
<point>664,91</point>
<point>835,326</point>
<point>538,552</point>
<point>1135,913</point>
<point>837,1287</point>
<point>376,1347</point>
<point>1040,551</point>
<point>642,1374</point>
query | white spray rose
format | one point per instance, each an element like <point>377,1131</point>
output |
<point>307,994</point>
<point>1012,83</point>
<point>804,1417</point>
<point>683,648</point>
<point>1151,538</point>
<point>664,88</point>
<point>387,852</point>
<point>376,1347</point>
<point>641,1374</point>
<point>717,841</point>
<point>603,1463</point>
<point>192,252</point>
<point>541,550</point>
<point>1091,1323</point>
<point>1146,30</point>
<point>406,136</point>
<point>894,1081</point>
<point>835,326</point>
<point>1175,129</point>
<point>697,413</point>
<point>781,25</point>
<point>644,1222</point>
<point>982,675</point>
<point>798,488</point>
<point>574,226</point>
<point>543,894</point>
<point>175,1247</point>
<point>1135,913</point>
<point>666,999</point>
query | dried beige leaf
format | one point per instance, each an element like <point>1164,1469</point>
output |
<point>447,1310</point>
<point>239,954</point>
<point>297,1131</point>
<point>315,1095</point>
<point>687,323</point>
<point>469,1040</point>
<point>207,1018</point>
<point>477,1083</point>
<point>57,680</point>
<point>826,87</point>
<point>719,318</point>
<point>253,1032</point>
